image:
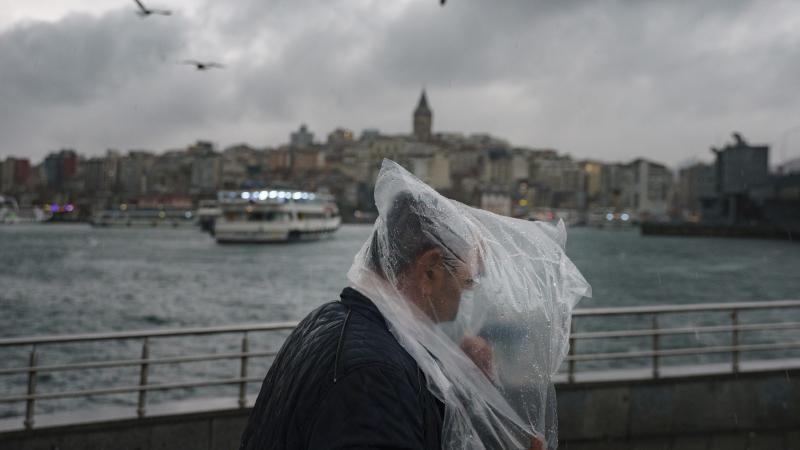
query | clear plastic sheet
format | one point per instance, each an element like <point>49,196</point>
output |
<point>482,302</point>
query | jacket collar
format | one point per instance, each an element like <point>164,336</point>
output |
<point>360,302</point>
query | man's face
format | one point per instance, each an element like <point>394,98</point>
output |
<point>457,276</point>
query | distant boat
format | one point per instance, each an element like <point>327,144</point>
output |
<point>612,218</point>
<point>275,216</point>
<point>146,217</point>
<point>571,217</point>
<point>9,210</point>
<point>207,213</point>
<point>11,213</point>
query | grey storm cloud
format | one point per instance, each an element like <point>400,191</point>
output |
<point>81,57</point>
<point>609,80</point>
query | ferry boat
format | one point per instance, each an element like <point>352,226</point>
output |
<point>275,216</point>
<point>207,213</point>
<point>9,210</point>
<point>11,213</point>
<point>571,217</point>
<point>612,218</point>
<point>144,217</point>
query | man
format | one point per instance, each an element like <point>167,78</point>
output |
<point>380,369</point>
<point>341,379</point>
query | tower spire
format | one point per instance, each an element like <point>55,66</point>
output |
<point>423,101</point>
<point>423,118</point>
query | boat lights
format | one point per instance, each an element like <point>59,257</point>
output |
<point>268,195</point>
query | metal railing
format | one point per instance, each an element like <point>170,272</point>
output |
<point>655,332</point>
<point>144,363</point>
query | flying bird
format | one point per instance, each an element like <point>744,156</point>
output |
<point>200,65</point>
<point>144,11</point>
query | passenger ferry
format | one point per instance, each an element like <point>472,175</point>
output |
<point>145,217</point>
<point>612,218</point>
<point>275,216</point>
<point>11,213</point>
<point>207,213</point>
<point>9,210</point>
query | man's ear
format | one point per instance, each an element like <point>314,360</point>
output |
<point>430,262</point>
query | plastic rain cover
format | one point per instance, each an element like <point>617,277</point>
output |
<point>491,363</point>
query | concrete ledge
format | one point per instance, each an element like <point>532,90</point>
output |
<point>211,430</point>
<point>781,440</point>
<point>713,404</point>
<point>719,411</point>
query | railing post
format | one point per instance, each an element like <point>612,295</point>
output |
<point>143,372</point>
<point>735,341</point>
<point>30,402</point>
<point>572,343</point>
<point>656,346</point>
<point>243,372</point>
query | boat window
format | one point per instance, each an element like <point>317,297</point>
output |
<point>310,216</point>
<point>267,216</point>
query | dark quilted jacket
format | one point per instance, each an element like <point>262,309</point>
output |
<point>341,380</point>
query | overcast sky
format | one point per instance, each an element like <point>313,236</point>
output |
<point>611,80</point>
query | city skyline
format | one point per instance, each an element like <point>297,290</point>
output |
<point>663,82</point>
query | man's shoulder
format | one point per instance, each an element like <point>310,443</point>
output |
<point>369,343</point>
<point>314,339</point>
<point>353,338</point>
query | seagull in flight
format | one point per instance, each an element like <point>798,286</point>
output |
<point>200,65</point>
<point>144,11</point>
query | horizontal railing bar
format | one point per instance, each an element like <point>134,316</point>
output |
<point>52,339</point>
<point>193,331</point>
<point>685,330</point>
<point>586,357</point>
<point>682,351</point>
<point>136,362</point>
<point>127,389</point>
<point>660,309</point>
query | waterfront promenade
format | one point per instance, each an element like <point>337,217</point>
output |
<point>664,387</point>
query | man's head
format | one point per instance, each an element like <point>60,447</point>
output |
<point>421,252</point>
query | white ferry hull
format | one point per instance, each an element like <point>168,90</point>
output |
<point>142,224</point>
<point>274,216</point>
<point>246,233</point>
<point>258,237</point>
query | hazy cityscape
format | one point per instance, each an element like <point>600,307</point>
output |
<point>480,170</point>
<point>204,242</point>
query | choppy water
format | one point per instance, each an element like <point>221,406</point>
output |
<point>71,278</point>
